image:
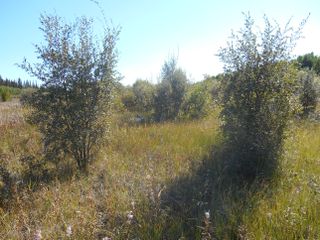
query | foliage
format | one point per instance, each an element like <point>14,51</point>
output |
<point>197,101</point>
<point>258,95</point>
<point>127,98</point>
<point>170,91</point>
<point>138,100</point>
<point>169,180</point>
<point>310,61</point>
<point>309,93</point>
<point>143,95</point>
<point>73,104</point>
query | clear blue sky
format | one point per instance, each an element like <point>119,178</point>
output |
<point>152,30</point>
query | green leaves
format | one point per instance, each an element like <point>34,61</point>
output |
<point>72,107</point>
<point>308,93</point>
<point>259,92</point>
<point>170,91</point>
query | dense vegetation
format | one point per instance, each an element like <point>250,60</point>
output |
<point>174,98</point>
<point>309,61</point>
<point>235,156</point>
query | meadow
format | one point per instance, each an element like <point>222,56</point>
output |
<point>155,181</point>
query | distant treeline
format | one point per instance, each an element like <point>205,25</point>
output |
<point>18,83</point>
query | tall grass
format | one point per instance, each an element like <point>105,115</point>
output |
<point>6,93</point>
<point>291,210</point>
<point>160,181</point>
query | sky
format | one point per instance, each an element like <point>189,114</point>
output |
<point>152,31</point>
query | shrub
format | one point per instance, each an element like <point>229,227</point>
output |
<point>258,95</point>
<point>72,106</point>
<point>197,102</point>
<point>128,99</point>
<point>308,94</point>
<point>143,96</point>
<point>170,91</point>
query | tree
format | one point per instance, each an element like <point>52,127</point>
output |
<point>316,66</point>
<point>72,106</point>
<point>307,61</point>
<point>127,98</point>
<point>310,62</point>
<point>170,91</point>
<point>19,83</point>
<point>143,95</point>
<point>308,95</point>
<point>197,101</point>
<point>258,95</point>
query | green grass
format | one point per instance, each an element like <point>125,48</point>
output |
<point>293,210</point>
<point>168,175</point>
<point>6,93</point>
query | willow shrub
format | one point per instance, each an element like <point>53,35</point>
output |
<point>78,75</point>
<point>258,95</point>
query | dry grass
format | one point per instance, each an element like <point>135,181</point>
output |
<point>10,113</point>
<point>157,182</point>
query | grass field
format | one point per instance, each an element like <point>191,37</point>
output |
<point>161,181</point>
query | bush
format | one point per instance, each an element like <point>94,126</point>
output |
<point>128,99</point>
<point>197,102</point>
<point>170,92</point>
<point>143,96</point>
<point>258,95</point>
<point>72,107</point>
<point>308,93</point>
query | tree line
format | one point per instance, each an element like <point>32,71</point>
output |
<point>309,61</point>
<point>18,83</point>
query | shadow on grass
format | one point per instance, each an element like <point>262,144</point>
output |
<point>215,187</point>
<point>36,173</point>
